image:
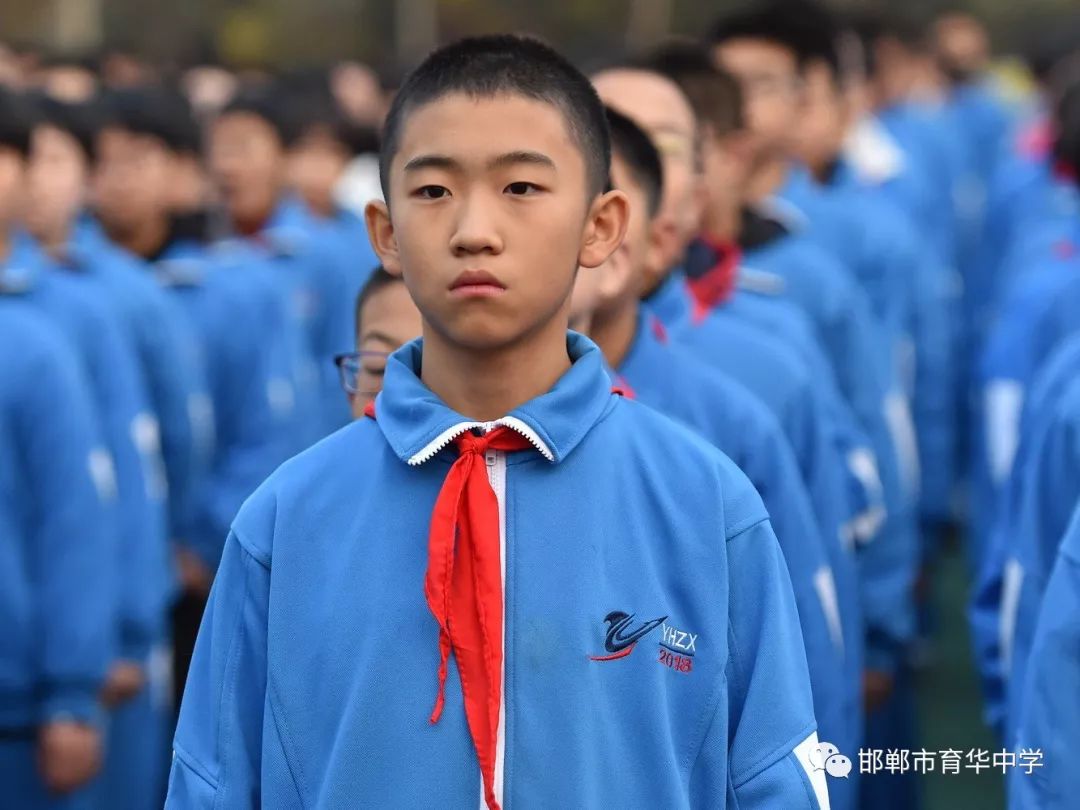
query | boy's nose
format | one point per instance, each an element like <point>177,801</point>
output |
<point>476,230</point>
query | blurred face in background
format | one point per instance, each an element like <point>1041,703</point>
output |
<point>388,320</point>
<point>248,167</point>
<point>12,172</point>
<point>658,106</point>
<point>131,180</point>
<point>316,163</point>
<point>70,83</point>
<point>771,87</point>
<point>824,121</point>
<point>55,184</point>
<point>358,92</point>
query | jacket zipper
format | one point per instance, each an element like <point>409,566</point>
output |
<point>496,470</point>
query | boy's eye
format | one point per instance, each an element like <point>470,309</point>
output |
<point>522,188</point>
<point>432,192</point>
<point>375,371</point>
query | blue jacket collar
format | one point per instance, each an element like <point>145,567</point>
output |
<point>20,270</point>
<point>669,301</point>
<point>418,425</point>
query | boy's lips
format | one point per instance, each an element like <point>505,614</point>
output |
<point>476,284</point>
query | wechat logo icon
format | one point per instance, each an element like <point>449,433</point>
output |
<point>827,757</point>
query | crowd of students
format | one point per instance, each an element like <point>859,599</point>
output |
<point>823,293</point>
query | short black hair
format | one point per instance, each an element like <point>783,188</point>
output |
<point>799,26</point>
<point>632,145</point>
<point>487,66</point>
<point>16,122</point>
<point>156,112</point>
<point>79,120</point>
<point>378,280</point>
<point>268,103</point>
<point>714,93</point>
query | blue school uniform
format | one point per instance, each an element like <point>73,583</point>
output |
<point>665,377</point>
<point>164,344</point>
<point>321,296</point>
<point>251,352</point>
<point>57,558</point>
<point>1050,712</point>
<point>995,602</point>
<point>75,306</point>
<point>647,520</point>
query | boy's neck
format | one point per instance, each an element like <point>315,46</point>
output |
<point>147,239</point>
<point>767,180</point>
<point>614,332</point>
<point>55,242</point>
<point>723,220</point>
<point>487,385</point>
<point>5,243</point>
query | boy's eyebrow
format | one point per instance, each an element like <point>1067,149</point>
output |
<point>431,162</point>
<point>377,335</point>
<point>521,156</point>
<point>502,161</point>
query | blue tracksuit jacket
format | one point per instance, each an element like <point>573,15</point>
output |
<point>651,521</point>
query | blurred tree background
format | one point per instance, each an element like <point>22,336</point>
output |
<point>392,34</point>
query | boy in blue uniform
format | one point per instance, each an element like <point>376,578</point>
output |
<point>318,157</point>
<point>1050,713</point>
<point>134,773</point>
<point>248,163</point>
<point>246,343</point>
<point>59,557</point>
<point>58,569</point>
<point>608,527</point>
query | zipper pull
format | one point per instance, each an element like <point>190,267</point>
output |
<point>489,458</point>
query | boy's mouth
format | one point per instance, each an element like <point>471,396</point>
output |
<point>476,284</point>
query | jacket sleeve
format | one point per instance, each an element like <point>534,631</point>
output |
<point>74,557</point>
<point>752,757</point>
<point>933,395</point>
<point>132,436</point>
<point>1051,488</point>
<point>774,474</point>
<point>217,750</point>
<point>1050,712</point>
<point>177,389</point>
<point>253,411</point>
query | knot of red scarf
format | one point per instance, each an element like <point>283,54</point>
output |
<point>713,287</point>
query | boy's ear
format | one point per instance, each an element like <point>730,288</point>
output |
<point>604,228</point>
<point>381,234</point>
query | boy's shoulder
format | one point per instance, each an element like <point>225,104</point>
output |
<point>321,477</point>
<point>677,456</point>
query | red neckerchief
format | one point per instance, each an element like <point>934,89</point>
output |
<point>715,285</point>
<point>463,588</point>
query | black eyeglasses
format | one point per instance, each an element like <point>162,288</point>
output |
<point>351,366</point>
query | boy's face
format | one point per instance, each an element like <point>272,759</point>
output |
<point>247,161</point>
<point>388,320</point>
<point>131,179</point>
<point>598,291</point>
<point>657,105</point>
<point>316,164</point>
<point>491,217</point>
<point>12,171</point>
<point>824,121</point>
<point>727,162</point>
<point>769,77</point>
<point>56,182</point>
